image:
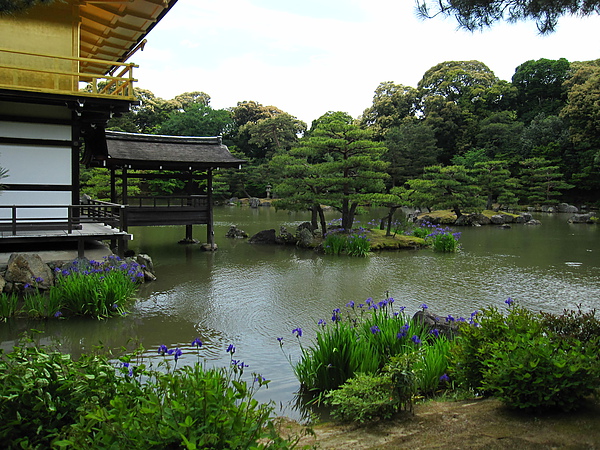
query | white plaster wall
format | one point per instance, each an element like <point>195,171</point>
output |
<point>9,198</point>
<point>35,131</point>
<point>28,164</point>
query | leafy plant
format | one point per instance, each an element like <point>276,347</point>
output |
<point>533,371</point>
<point>49,400</point>
<point>527,360</point>
<point>584,326</point>
<point>364,398</point>
<point>44,391</point>
<point>367,397</point>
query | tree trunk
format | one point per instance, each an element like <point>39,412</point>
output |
<point>314,217</point>
<point>457,211</point>
<point>390,216</point>
<point>323,222</point>
<point>348,212</point>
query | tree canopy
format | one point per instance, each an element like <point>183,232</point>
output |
<point>477,14</point>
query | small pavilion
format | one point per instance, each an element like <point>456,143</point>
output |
<point>150,157</point>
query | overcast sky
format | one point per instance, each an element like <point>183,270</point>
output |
<point>312,56</point>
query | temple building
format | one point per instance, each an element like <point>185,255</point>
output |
<point>64,72</point>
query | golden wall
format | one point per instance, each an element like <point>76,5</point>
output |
<point>43,30</point>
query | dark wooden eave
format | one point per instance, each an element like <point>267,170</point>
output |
<point>157,152</point>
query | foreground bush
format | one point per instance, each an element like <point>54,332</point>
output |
<point>49,400</point>
<point>365,398</point>
<point>530,361</point>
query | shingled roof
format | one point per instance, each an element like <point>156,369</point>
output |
<point>157,152</point>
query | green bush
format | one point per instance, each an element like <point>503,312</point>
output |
<point>43,392</point>
<point>527,360</point>
<point>580,325</point>
<point>48,400</point>
<point>191,407</point>
<point>537,372</point>
<point>363,398</point>
<point>473,345</point>
<point>367,397</point>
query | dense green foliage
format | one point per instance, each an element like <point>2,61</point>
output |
<point>48,400</point>
<point>530,361</point>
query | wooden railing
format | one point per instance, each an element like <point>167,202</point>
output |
<point>47,73</point>
<point>167,201</point>
<point>106,213</point>
<point>141,211</point>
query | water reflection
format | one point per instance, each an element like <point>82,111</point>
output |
<point>249,295</point>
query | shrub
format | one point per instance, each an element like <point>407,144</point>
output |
<point>191,407</point>
<point>580,325</point>
<point>363,398</point>
<point>535,372</point>
<point>367,397</point>
<point>42,392</point>
<point>473,345</point>
<point>48,400</point>
<point>526,364</point>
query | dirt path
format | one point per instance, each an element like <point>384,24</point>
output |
<point>473,424</point>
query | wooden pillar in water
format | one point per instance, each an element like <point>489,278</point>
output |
<point>189,238</point>
<point>210,232</point>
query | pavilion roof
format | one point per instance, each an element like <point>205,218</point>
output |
<point>157,152</point>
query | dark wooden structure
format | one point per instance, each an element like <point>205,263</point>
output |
<point>143,156</point>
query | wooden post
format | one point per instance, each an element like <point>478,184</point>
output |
<point>210,232</point>
<point>189,237</point>
<point>124,184</point>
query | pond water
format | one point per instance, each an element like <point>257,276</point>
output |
<point>249,295</point>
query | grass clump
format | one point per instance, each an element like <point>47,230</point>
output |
<point>98,289</point>
<point>355,243</point>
